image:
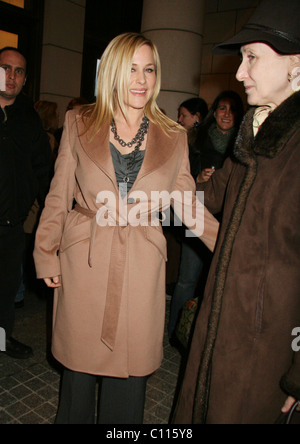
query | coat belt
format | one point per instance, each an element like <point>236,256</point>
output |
<point>115,277</point>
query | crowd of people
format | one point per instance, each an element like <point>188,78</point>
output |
<point>83,194</point>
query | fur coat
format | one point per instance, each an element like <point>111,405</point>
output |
<point>242,365</point>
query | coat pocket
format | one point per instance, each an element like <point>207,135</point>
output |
<point>157,239</point>
<point>75,234</point>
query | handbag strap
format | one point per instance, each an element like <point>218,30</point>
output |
<point>286,418</point>
<point>291,412</point>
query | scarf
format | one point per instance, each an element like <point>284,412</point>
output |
<point>220,140</point>
<point>260,115</point>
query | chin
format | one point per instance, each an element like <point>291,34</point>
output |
<point>257,101</point>
<point>251,101</point>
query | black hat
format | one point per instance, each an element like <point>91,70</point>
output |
<point>275,22</point>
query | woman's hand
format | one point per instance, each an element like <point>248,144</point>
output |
<point>288,405</point>
<point>205,175</point>
<point>53,282</point>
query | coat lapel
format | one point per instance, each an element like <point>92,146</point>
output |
<point>159,149</point>
<point>98,148</point>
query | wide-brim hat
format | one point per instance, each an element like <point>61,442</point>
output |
<point>274,22</point>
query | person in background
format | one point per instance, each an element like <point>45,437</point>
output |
<point>25,168</point>
<point>242,366</point>
<point>75,103</point>
<point>191,113</point>
<point>109,278</point>
<point>49,117</point>
<point>217,134</point>
<point>48,112</point>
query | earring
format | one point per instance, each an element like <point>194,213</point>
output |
<point>290,77</point>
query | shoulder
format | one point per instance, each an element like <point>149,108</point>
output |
<point>24,117</point>
<point>174,139</point>
<point>74,120</point>
<point>173,132</point>
<point>24,106</point>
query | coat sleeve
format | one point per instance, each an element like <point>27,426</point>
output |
<point>189,207</point>
<point>215,188</point>
<point>42,163</point>
<point>57,205</point>
<point>290,382</point>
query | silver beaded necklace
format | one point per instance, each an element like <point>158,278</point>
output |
<point>138,140</point>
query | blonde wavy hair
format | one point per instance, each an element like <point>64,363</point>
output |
<point>112,85</point>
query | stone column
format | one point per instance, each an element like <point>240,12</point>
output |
<point>62,52</point>
<point>176,27</point>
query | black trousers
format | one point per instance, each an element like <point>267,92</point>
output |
<point>121,401</point>
<point>12,243</point>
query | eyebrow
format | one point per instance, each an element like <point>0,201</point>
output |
<point>10,66</point>
<point>148,64</point>
<point>246,49</point>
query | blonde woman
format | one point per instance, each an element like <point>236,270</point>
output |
<point>105,255</point>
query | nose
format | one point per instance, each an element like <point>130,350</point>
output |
<point>242,72</point>
<point>227,111</point>
<point>141,78</point>
<point>12,74</point>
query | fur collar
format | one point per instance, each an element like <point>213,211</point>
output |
<point>275,132</point>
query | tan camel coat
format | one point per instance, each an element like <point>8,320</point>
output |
<point>109,313</point>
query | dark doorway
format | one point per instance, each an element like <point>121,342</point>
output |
<point>104,21</point>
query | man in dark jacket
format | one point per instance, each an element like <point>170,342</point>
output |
<point>25,171</point>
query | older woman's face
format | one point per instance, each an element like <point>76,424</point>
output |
<point>265,75</point>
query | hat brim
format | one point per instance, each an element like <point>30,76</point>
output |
<point>245,36</point>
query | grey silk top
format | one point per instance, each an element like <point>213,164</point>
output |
<point>124,167</point>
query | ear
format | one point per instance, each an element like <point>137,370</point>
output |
<point>198,116</point>
<point>294,77</point>
<point>294,61</point>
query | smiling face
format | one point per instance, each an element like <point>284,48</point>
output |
<point>14,65</point>
<point>225,114</point>
<point>265,74</point>
<point>142,78</point>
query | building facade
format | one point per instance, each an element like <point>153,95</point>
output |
<point>63,39</point>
